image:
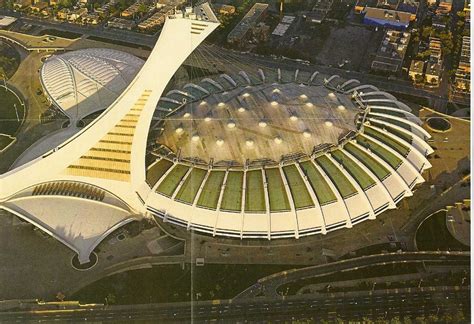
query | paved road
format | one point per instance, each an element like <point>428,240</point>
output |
<point>352,305</point>
<point>397,86</point>
<point>268,285</point>
<point>98,31</point>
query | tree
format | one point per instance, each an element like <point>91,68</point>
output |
<point>142,9</point>
<point>427,31</point>
<point>110,299</point>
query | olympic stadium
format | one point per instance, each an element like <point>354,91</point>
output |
<point>259,157</point>
<point>251,154</point>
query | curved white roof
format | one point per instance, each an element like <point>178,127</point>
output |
<point>85,81</point>
<point>259,122</point>
<point>365,151</point>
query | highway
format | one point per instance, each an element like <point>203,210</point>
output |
<point>268,285</point>
<point>383,304</point>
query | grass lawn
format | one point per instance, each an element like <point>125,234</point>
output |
<point>60,33</point>
<point>232,197</point>
<point>395,122</point>
<point>380,151</point>
<point>191,185</point>
<point>5,141</point>
<point>276,191</point>
<point>354,170</point>
<point>403,150</point>
<point>210,193</point>
<point>9,59</point>
<point>318,183</point>
<point>388,112</point>
<point>8,118</point>
<point>254,195</point>
<point>300,194</point>
<point>394,131</point>
<point>169,184</point>
<point>379,170</point>
<point>118,42</point>
<point>157,170</point>
<point>343,185</point>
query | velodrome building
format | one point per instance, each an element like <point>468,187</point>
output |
<point>251,155</point>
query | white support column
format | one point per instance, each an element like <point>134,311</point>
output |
<point>313,196</point>
<point>212,82</point>
<point>267,204</point>
<point>345,84</point>
<point>262,75</point>
<point>196,86</point>
<point>413,168</point>
<point>181,182</point>
<point>290,200</point>
<point>242,207</point>
<point>376,93</point>
<point>387,166</point>
<point>313,76</point>
<point>203,183</point>
<point>417,142</point>
<point>335,191</point>
<point>219,201</point>
<point>164,176</point>
<point>404,112</point>
<point>362,87</point>
<point>244,75</point>
<point>399,104</point>
<point>381,185</point>
<point>229,79</point>
<point>355,184</point>
<point>403,120</point>
<point>426,163</point>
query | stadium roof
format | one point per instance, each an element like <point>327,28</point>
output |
<point>363,152</point>
<point>259,122</point>
<point>85,81</point>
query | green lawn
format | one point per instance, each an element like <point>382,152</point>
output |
<point>388,112</point>
<point>232,197</point>
<point>323,192</point>
<point>169,184</point>
<point>379,151</point>
<point>402,149</point>
<point>9,123</point>
<point>254,195</point>
<point>343,185</point>
<point>191,185</point>
<point>276,191</point>
<point>362,178</point>
<point>157,170</point>
<point>5,141</point>
<point>300,194</point>
<point>379,170</point>
<point>210,193</point>
<point>395,122</point>
<point>394,131</point>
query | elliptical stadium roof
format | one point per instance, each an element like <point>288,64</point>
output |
<point>86,81</point>
<point>332,153</point>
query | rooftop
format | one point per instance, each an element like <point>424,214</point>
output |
<point>259,122</point>
<point>85,81</point>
